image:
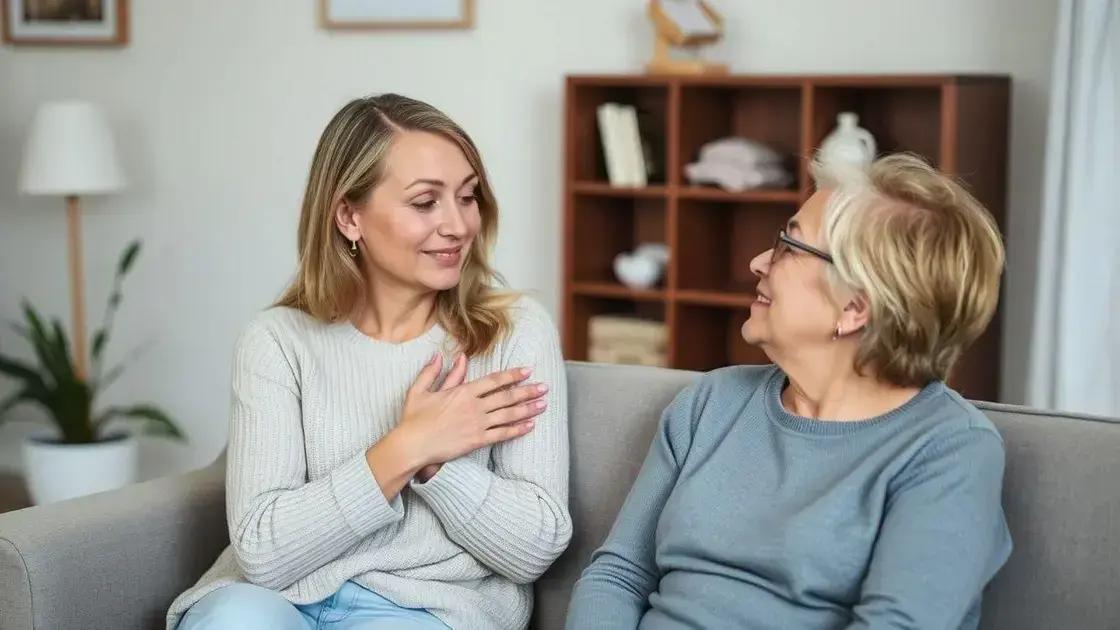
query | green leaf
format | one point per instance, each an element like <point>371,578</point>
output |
<point>157,423</point>
<point>99,339</point>
<point>71,408</point>
<point>62,346</point>
<point>102,381</point>
<point>56,363</point>
<point>34,388</point>
<point>67,405</point>
<point>35,322</point>
<point>112,375</point>
<point>128,257</point>
<point>22,371</point>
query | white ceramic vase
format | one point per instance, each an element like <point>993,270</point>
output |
<point>849,142</point>
<point>57,471</point>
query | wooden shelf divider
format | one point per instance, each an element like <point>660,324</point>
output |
<point>603,189</point>
<point>616,290</point>
<point>762,195</point>
<point>715,298</point>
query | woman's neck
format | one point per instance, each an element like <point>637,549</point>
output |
<point>395,314</point>
<point>833,390</point>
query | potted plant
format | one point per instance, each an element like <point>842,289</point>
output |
<point>83,454</point>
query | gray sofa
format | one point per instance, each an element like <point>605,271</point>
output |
<point>117,559</point>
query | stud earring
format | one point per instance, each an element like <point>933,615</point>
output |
<point>839,331</point>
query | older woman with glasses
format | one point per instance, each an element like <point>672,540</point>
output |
<point>845,486</point>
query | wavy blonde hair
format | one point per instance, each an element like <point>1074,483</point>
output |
<point>349,163</point>
<point>924,251</point>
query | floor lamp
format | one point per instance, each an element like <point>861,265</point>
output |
<point>70,153</point>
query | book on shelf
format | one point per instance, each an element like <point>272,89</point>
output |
<point>612,147</point>
<point>626,154</point>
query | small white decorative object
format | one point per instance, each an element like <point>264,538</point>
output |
<point>658,252</point>
<point>636,272</point>
<point>849,142</point>
<point>642,268</point>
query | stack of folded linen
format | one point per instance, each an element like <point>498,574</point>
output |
<point>630,340</point>
<point>738,164</point>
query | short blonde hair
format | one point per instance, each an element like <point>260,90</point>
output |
<point>924,251</point>
<point>348,164</point>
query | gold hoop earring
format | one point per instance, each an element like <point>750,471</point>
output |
<point>353,249</point>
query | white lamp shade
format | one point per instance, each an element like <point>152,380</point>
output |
<point>70,151</point>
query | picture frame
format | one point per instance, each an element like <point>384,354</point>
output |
<point>396,14</point>
<point>64,22</point>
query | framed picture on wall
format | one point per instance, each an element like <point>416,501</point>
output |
<point>396,14</point>
<point>65,22</point>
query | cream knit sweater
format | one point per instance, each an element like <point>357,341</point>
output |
<point>305,513</point>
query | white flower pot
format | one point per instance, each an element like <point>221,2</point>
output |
<point>56,471</point>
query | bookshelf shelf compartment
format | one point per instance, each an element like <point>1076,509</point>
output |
<point>729,235</point>
<point>901,118</point>
<point>768,114</point>
<point>587,163</point>
<point>608,226</point>
<point>585,307</point>
<point>710,337</point>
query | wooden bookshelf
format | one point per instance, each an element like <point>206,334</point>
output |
<point>959,123</point>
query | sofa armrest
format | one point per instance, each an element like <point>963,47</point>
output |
<point>111,560</point>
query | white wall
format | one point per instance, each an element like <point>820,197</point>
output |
<point>218,106</point>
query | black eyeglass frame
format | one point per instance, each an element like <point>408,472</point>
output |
<point>786,239</point>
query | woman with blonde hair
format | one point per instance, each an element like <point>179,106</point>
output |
<point>845,486</point>
<point>367,486</point>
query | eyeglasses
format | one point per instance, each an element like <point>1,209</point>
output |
<point>783,243</point>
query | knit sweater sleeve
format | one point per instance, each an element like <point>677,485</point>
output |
<point>943,537</point>
<point>281,526</point>
<point>623,572</point>
<point>514,517</point>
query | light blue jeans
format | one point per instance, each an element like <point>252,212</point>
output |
<point>251,607</point>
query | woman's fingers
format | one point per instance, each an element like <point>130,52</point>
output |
<point>513,395</point>
<point>457,374</point>
<point>498,380</point>
<point>427,377</point>
<point>510,431</point>
<point>516,413</point>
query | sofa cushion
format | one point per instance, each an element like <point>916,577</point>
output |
<point>1061,495</point>
<point>613,412</point>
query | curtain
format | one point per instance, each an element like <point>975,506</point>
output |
<point>1075,350</point>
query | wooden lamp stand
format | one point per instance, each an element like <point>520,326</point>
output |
<point>77,298</point>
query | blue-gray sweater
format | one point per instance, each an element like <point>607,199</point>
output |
<point>746,516</point>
